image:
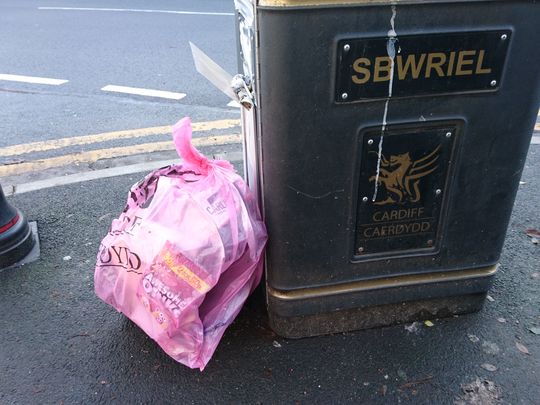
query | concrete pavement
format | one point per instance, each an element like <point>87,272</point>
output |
<point>60,344</point>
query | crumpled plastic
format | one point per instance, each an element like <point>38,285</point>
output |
<point>185,253</point>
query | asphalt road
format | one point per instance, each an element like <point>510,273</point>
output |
<point>92,49</point>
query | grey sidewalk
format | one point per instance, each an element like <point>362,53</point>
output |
<point>60,344</point>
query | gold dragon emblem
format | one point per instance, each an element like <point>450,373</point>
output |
<point>400,176</point>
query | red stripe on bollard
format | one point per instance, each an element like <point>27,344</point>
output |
<point>9,224</point>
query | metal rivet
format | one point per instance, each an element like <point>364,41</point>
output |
<point>344,96</point>
<point>504,37</point>
<point>365,199</point>
<point>346,47</point>
<point>430,242</point>
<point>370,142</point>
<point>438,191</point>
<point>360,249</point>
<point>493,83</point>
<point>448,134</point>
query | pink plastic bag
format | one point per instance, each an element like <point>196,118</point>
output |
<point>182,258</point>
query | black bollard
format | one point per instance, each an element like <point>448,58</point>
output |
<point>16,239</point>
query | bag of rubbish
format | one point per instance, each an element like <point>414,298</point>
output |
<point>184,255</point>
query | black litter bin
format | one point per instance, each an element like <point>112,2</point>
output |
<point>390,139</point>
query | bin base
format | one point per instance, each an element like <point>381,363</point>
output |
<point>376,316</point>
<point>16,242</point>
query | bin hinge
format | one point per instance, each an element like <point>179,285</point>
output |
<point>243,88</point>
<point>238,88</point>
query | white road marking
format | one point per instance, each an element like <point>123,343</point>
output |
<point>134,10</point>
<point>32,79</point>
<point>144,92</point>
<point>145,167</point>
<point>85,176</point>
<point>535,140</point>
<point>234,104</point>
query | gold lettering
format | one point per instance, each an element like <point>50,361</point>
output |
<point>411,64</point>
<point>358,68</point>
<point>383,64</point>
<point>394,215</point>
<point>479,69</point>
<point>398,229</point>
<point>461,62</point>
<point>437,66</point>
<point>451,62</point>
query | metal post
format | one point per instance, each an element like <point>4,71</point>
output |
<point>16,239</point>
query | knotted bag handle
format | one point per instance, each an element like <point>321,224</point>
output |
<point>192,158</point>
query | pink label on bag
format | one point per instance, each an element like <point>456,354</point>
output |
<point>162,293</point>
<point>185,270</point>
<point>173,282</point>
